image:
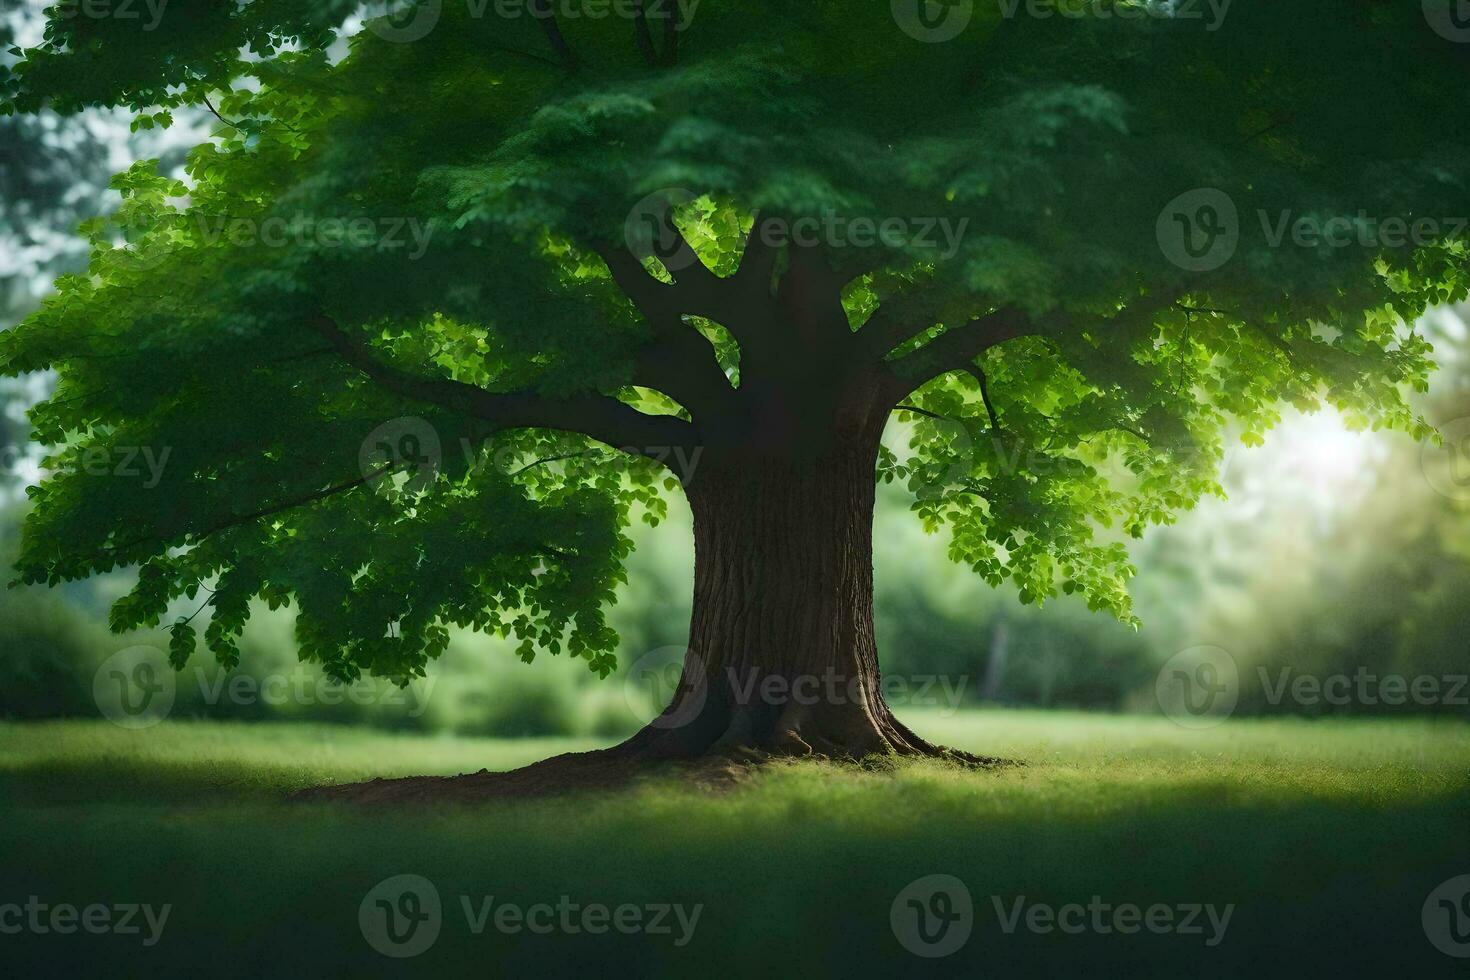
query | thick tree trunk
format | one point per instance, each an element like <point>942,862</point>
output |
<point>782,656</point>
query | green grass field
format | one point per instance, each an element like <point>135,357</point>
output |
<point>1325,838</point>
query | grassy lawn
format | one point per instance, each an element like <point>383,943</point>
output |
<point>1323,838</point>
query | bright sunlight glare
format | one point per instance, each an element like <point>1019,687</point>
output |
<point>1310,464</point>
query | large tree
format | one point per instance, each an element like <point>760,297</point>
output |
<point>543,262</point>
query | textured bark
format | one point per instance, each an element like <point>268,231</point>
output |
<point>782,656</point>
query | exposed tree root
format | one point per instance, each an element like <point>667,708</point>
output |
<point>680,752</point>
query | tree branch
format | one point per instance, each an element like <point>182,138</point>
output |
<point>599,417</point>
<point>958,347</point>
<point>749,296</point>
<point>758,261</point>
<point>669,11</point>
<point>642,35</point>
<point>236,520</point>
<point>672,14</point>
<point>550,459</point>
<point>1272,338</point>
<point>681,362</point>
<point>652,297</point>
<point>810,294</point>
<point>683,263</point>
<point>544,14</point>
<point>925,412</point>
<point>897,320</point>
<point>979,374</point>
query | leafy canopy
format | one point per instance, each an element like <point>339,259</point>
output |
<point>1064,366</point>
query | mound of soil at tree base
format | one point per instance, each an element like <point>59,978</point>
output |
<point>599,770</point>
